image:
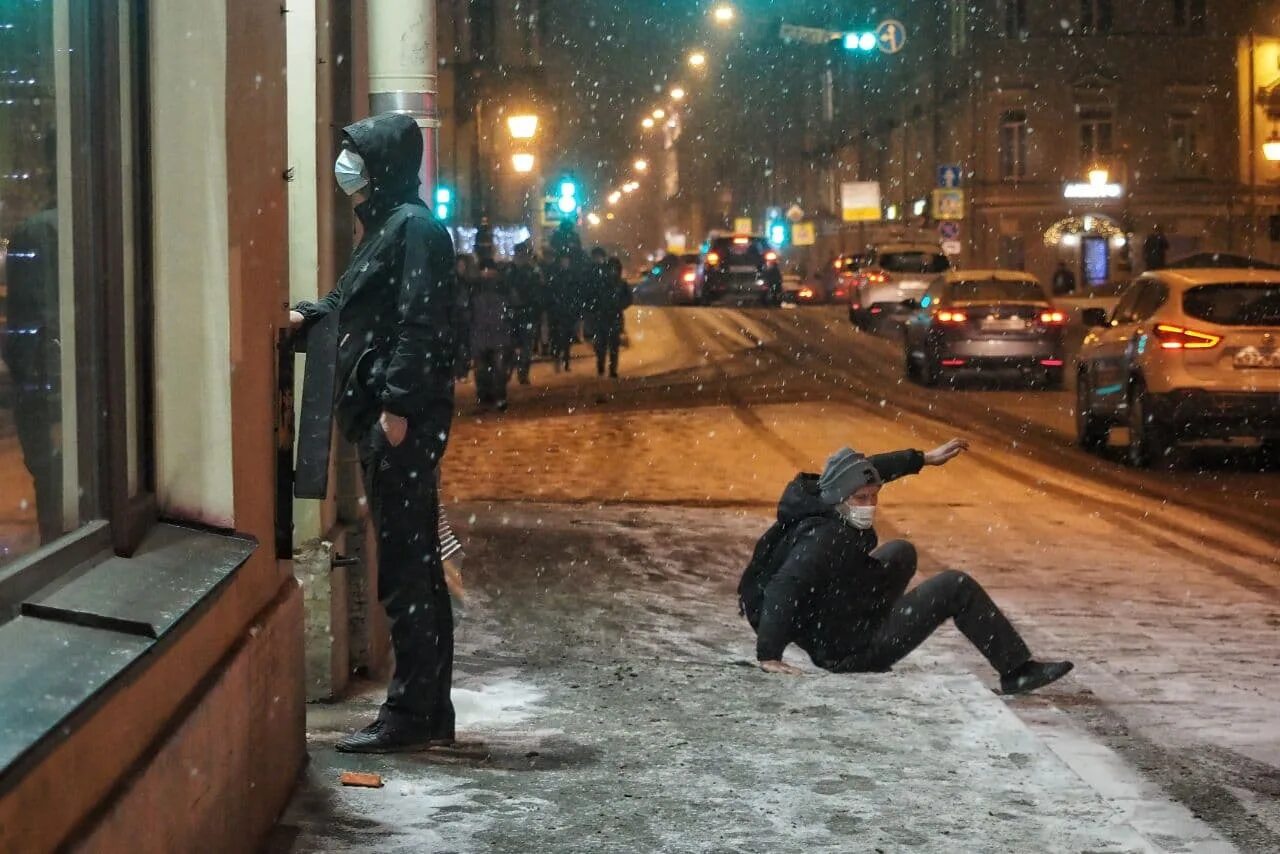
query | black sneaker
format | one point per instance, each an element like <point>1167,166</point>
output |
<point>384,736</point>
<point>1034,674</point>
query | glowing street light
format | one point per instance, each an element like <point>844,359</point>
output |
<point>647,124</point>
<point>593,218</point>
<point>641,165</point>
<point>615,197</point>
<point>659,114</point>
<point>724,14</point>
<point>523,162</point>
<point>522,127</point>
<point>697,59</point>
<point>677,93</point>
<point>630,186</point>
<point>1099,176</point>
<point>1271,148</point>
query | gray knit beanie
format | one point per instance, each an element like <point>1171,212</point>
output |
<point>847,471</point>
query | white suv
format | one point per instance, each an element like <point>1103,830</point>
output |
<point>1187,354</point>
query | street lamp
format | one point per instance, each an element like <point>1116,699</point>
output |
<point>647,124</point>
<point>615,197</point>
<point>523,126</point>
<point>659,114</point>
<point>677,93</point>
<point>523,162</point>
<point>724,14</point>
<point>630,187</point>
<point>1099,176</point>
<point>641,165</point>
<point>697,59</point>
<point>1271,148</point>
<point>593,218</point>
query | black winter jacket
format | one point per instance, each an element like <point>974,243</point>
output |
<point>400,317</point>
<point>812,580</point>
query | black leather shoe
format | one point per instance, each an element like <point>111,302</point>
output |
<point>1034,674</point>
<point>386,736</point>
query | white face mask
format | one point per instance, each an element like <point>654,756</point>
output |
<point>857,516</point>
<point>350,172</point>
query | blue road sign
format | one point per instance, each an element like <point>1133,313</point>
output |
<point>949,176</point>
<point>891,36</point>
<point>949,230</point>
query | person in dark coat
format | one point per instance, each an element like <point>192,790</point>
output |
<point>610,297</point>
<point>1064,281</point>
<point>819,579</point>
<point>491,336</point>
<point>397,335</point>
<point>1155,250</point>
<point>563,287</point>
<point>524,283</point>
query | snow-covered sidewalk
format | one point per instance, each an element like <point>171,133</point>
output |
<point>603,664</point>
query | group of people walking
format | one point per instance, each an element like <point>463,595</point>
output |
<point>530,308</point>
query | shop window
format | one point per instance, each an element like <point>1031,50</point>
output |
<point>73,393</point>
<point>1095,16</point>
<point>481,14</point>
<point>1015,19</point>
<point>1189,15</point>
<point>1013,145</point>
<point>1096,132</point>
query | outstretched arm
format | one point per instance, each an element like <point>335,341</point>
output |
<point>899,464</point>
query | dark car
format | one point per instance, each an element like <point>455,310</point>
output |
<point>984,320</point>
<point>678,278</point>
<point>738,266</point>
<point>840,276</point>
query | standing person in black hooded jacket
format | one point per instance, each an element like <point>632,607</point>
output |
<point>398,334</point>
<point>610,297</point>
<point>818,580</point>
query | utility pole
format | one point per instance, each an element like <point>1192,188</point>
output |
<point>402,71</point>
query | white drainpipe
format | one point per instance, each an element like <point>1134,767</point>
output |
<point>402,71</point>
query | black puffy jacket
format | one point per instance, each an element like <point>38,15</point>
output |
<point>400,318</point>
<point>812,580</point>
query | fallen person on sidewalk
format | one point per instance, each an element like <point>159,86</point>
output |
<point>818,580</point>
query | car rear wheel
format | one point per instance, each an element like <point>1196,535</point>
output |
<point>1052,379</point>
<point>1149,441</point>
<point>909,369</point>
<point>929,370</point>
<point>1091,431</point>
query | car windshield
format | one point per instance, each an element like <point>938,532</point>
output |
<point>1235,304</point>
<point>997,290</point>
<point>915,262</point>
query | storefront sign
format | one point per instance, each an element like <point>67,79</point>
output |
<point>860,201</point>
<point>1092,191</point>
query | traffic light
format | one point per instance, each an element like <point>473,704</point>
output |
<point>864,41</point>
<point>568,201</point>
<point>444,203</point>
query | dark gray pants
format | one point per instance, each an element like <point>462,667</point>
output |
<point>400,485</point>
<point>914,615</point>
<point>491,375</point>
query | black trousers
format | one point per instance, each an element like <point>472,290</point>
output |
<point>401,488</point>
<point>915,615</point>
<point>525,336</point>
<point>608,340</point>
<point>491,375</point>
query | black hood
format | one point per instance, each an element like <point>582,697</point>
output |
<point>391,145</point>
<point>803,500</point>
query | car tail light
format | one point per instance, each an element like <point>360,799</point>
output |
<point>875,309</point>
<point>771,256</point>
<point>837,265</point>
<point>1052,318</point>
<point>877,278</point>
<point>713,258</point>
<point>690,276</point>
<point>953,363</point>
<point>1177,338</point>
<point>951,317</point>
<point>741,241</point>
<point>806,293</point>
<point>839,293</point>
<point>1051,363</point>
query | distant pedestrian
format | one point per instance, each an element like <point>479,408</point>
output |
<point>818,580</point>
<point>609,299</point>
<point>1155,250</point>
<point>563,289</point>
<point>491,336</point>
<point>524,283</point>
<point>484,241</point>
<point>1064,281</point>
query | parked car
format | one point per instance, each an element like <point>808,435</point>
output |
<point>839,279</point>
<point>895,273</point>
<point>984,320</point>
<point>679,279</point>
<point>737,265</point>
<point>1187,354</point>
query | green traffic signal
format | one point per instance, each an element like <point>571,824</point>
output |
<point>860,41</point>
